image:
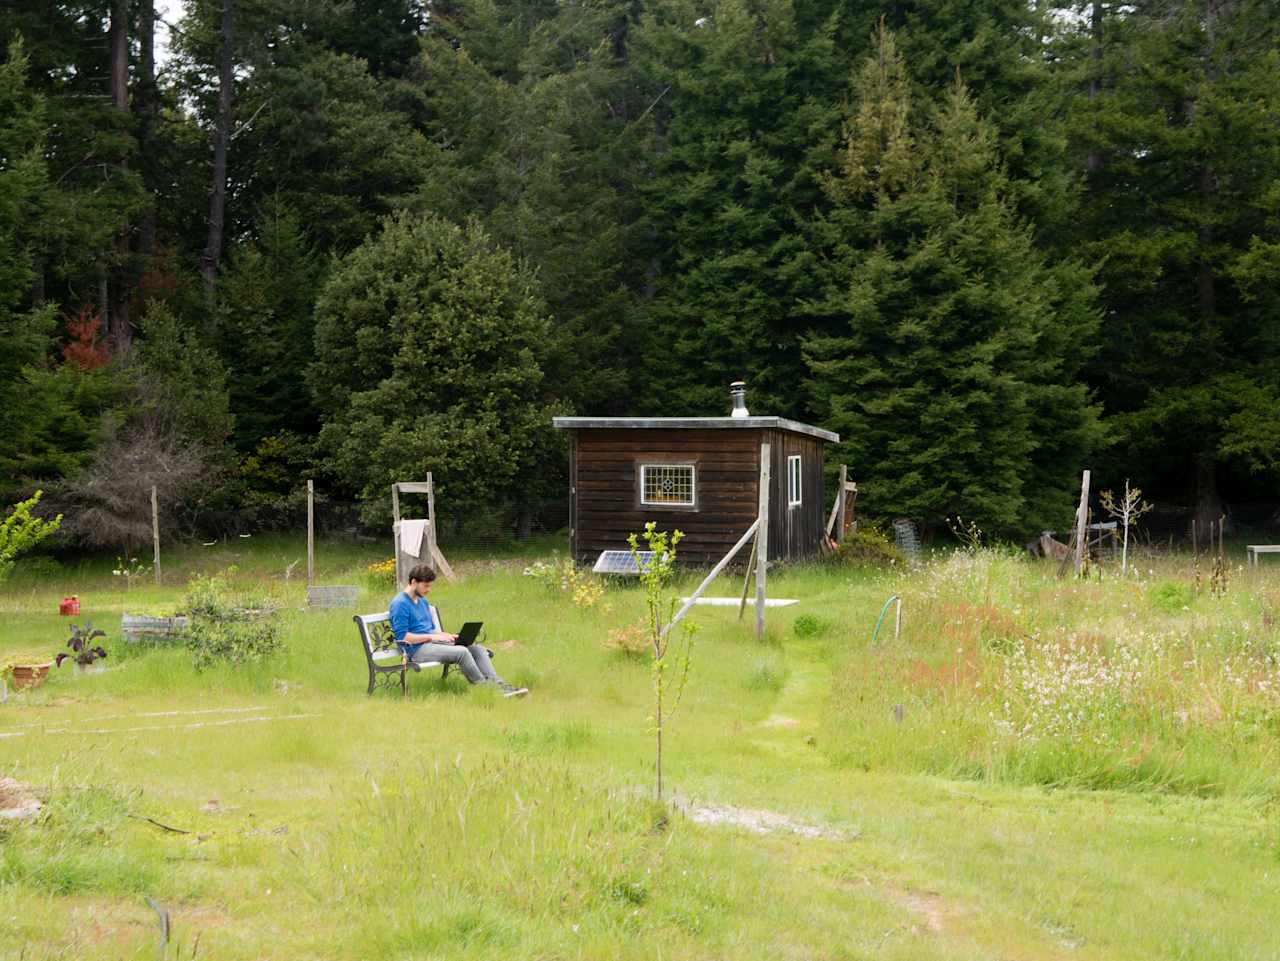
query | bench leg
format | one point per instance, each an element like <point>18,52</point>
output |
<point>404,687</point>
<point>445,672</point>
<point>372,677</point>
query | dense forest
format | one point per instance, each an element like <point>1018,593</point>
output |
<point>989,242</point>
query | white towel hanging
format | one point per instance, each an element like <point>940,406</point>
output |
<point>411,536</point>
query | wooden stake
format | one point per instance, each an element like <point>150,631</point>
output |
<point>311,533</point>
<point>155,531</point>
<point>442,565</point>
<point>762,539</point>
<point>842,519</point>
<point>1082,515</point>
<point>706,582</point>
<point>746,581</point>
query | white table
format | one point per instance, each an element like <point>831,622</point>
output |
<point>1253,550</point>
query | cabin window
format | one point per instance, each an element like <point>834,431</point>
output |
<point>794,497</point>
<point>667,485</point>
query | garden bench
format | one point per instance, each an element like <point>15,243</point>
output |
<point>383,656</point>
<point>1253,550</point>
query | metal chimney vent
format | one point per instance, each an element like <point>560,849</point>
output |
<point>738,391</point>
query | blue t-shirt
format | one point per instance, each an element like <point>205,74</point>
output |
<point>408,617</point>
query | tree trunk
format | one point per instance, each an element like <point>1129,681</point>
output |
<point>120,329</point>
<point>148,107</point>
<point>221,137</point>
<point>1208,503</point>
<point>1093,162</point>
<point>37,281</point>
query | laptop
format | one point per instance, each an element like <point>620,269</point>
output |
<point>469,634</point>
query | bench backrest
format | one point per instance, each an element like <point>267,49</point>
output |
<point>375,631</point>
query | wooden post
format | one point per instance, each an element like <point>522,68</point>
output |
<point>433,549</point>
<point>1082,515</point>
<point>155,531</point>
<point>311,533</point>
<point>841,519</point>
<point>762,540</point>
<point>395,532</point>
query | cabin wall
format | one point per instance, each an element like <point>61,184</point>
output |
<point>795,533</point>
<point>604,492</point>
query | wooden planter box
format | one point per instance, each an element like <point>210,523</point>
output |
<point>135,627</point>
<point>338,596</point>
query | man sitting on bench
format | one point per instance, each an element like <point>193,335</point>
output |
<point>422,641</point>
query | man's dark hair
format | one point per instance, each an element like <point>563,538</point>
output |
<point>422,573</point>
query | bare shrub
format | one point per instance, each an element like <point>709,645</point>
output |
<point>109,504</point>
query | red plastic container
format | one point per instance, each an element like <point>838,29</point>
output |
<point>70,607</point>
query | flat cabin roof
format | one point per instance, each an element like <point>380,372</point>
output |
<point>694,423</point>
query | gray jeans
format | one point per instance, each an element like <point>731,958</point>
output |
<point>472,660</point>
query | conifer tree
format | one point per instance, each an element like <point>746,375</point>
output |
<point>530,118</point>
<point>47,418</point>
<point>946,348</point>
<point>1182,152</point>
<point>746,115</point>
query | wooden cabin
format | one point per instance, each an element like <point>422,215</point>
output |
<point>698,474</point>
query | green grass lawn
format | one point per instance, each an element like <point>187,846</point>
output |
<point>1034,769</point>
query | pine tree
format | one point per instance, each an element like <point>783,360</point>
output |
<point>1182,152</point>
<point>265,332</point>
<point>746,112</point>
<point>946,348</point>
<point>529,116</point>
<point>46,415</point>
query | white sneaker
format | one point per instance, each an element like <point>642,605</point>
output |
<point>510,690</point>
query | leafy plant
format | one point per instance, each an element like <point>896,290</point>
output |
<point>868,546</point>
<point>564,576</point>
<point>654,575</point>
<point>810,625</point>
<point>1171,596</point>
<point>20,532</point>
<point>227,627</point>
<point>83,651</point>
<point>381,574</point>
<point>130,569</point>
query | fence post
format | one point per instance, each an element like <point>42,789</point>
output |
<point>1082,521</point>
<point>311,533</point>
<point>155,531</point>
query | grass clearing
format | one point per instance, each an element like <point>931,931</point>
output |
<point>1129,813</point>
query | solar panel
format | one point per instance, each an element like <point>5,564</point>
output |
<point>621,562</point>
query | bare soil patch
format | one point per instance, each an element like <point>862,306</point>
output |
<point>17,799</point>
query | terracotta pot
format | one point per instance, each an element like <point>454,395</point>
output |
<point>26,676</point>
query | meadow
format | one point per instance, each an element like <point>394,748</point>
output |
<point>1034,768</point>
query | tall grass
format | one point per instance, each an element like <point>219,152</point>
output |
<point>1006,673</point>
<point>943,767</point>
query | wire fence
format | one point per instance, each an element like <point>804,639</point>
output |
<point>491,528</point>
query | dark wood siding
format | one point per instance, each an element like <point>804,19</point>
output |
<point>795,532</point>
<point>605,493</point>
<point>605,500</point>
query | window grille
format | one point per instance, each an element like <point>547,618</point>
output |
<point>669,484</point>
<point>794,496</point>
